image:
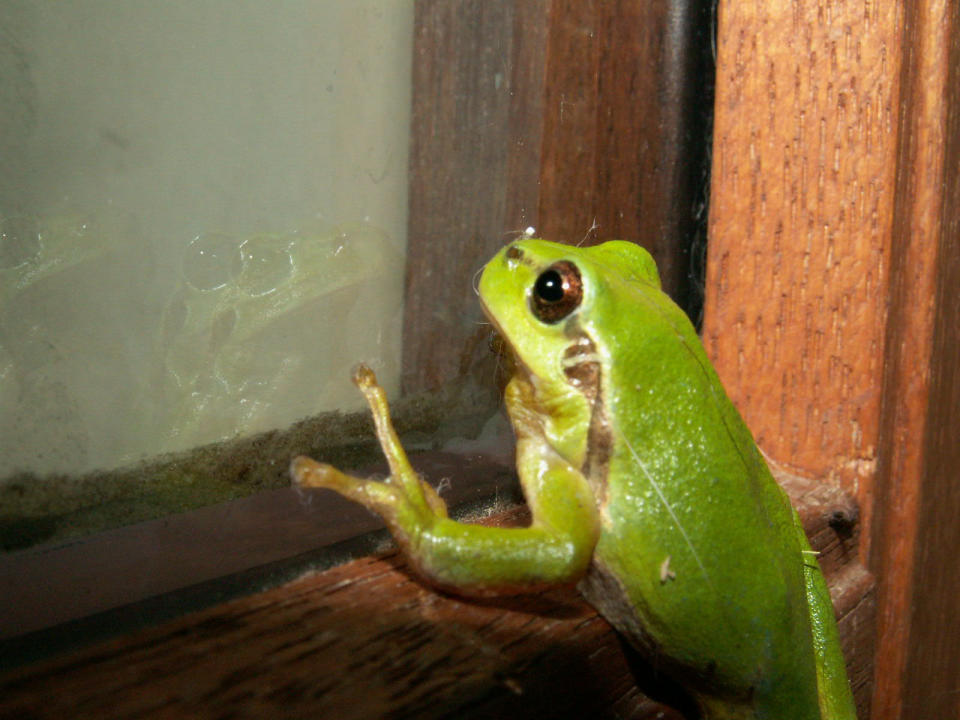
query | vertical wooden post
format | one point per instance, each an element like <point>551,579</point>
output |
<point>583,119</point>
<point>801,210</point>
<point>916,523</point>
<point>834,235</point>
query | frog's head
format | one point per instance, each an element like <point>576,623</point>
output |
<point>547,299</point>
<point>550,303</point>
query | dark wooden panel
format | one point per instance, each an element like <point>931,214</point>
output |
<point>473,150</point>
<point>917,533</point>
<point>584,120</point>
<point>629,102</point>
<point>59,582</point>
<point>570,162</point>
<point>671,141</point>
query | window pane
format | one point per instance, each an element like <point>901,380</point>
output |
<point>203,220</point>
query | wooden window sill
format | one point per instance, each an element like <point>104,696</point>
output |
<point>365,639</point>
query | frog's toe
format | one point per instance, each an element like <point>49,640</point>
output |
<point>381,497</point>
<point>363,377</point>
<point>307,472</point>
<point>434,501</point>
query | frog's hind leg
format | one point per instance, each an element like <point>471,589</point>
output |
<point>836,698</point>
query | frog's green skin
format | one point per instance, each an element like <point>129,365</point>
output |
<point>644,484</point>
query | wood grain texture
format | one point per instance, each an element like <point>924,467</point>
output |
<point>832,308</point>
<point>469,62</point>
<point>801,209</point>
<point>915,532</point>
<point>366,640</point>
<point>584,120</point>
<point>628,98</point>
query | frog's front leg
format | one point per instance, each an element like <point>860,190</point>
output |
<point>473,559</point>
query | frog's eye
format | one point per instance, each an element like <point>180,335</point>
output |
<point>557,292</point>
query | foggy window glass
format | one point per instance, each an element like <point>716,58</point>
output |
<point>202,220</point>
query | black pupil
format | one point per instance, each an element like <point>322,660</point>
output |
<point>550,286</point>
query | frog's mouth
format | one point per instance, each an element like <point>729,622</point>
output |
<point>582,366</point>
<point>508,359</point>
<point>508,362</point>
<point>580,361</point>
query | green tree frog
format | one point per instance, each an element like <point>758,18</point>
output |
<point>644,484</point>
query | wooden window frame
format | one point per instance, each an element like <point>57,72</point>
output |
<point>887,154</point>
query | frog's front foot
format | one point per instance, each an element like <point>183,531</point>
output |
<point>469,559</point>
<point>403,499</point>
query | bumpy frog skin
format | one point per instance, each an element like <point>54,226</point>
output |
<point>644,484</point>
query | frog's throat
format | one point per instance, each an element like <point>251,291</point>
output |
<point>581,365</point>
<point>583,370</point>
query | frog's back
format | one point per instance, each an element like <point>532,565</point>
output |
<point>698,540</point>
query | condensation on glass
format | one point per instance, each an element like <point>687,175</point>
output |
<point>203,212</point>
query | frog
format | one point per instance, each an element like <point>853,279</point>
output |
<point>645,488</point>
